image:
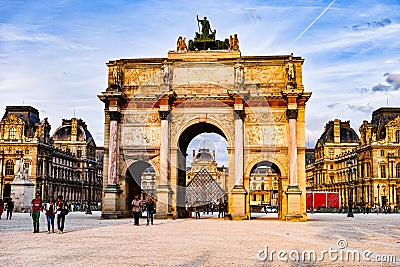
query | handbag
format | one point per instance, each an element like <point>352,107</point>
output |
<point>64,211</point>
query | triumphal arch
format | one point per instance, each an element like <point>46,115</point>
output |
<point>154,107</point>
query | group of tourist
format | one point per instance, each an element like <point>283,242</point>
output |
<point>9,206</point>
<point>51,209</point>
<point>138,208</point>
<point>210,207</point>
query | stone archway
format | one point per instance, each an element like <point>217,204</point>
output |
<point>154,106</point>
<point>187,132</point>
<point>272,187</point>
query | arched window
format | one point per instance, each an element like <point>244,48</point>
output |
<point>11,133</point>
<point>397,136</point>
<point>262,186</point>
<point>9,167</point>
<point>398,170</point>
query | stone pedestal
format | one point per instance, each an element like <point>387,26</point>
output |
<point>22,193</point>
<point>111,203</point>
<point>294,212</point>
<point>163,200</point>
<point>238,203</point>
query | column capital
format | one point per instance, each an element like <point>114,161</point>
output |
<point>164,114</point>
<point>292,114</point>
<point>239,114</point>
<point>115,115</point>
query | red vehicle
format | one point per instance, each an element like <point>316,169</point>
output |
<point>322,199</point>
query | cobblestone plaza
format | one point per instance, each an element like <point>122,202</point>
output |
<point>89,241</point>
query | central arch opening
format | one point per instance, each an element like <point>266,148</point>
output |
<point>140,180</point>
<point>202,182</point>
<point>265,189</point>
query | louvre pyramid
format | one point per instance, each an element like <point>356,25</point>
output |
<point>203,189</point>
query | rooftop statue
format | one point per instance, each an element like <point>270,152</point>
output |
<point>206,32</point>
<point>205,38</point>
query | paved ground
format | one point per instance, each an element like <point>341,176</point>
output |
<point>89,241</point>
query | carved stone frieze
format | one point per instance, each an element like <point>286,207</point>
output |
<point>148,118</point>
<point>142,76</point>
<point>266,135</point>
<point>265,117</point>
<point>140,136</point>
<point>265,74</point>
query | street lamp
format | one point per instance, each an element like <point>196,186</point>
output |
<point>384,195</point>
<point>312,195</point>
<point>350,200</point>
<point>88,211</point>
<point>378,194</point>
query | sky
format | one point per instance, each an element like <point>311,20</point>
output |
<point>53,53</point>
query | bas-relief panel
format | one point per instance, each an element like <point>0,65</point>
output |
<point>144,118</point>
<point>202,73</point>
<point>265,74</point>
<point>140,136</point>
<point>266,135</point>
<point>258,117</point>
<point>136,77</point>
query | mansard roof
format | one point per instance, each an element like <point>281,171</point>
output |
<point>204,155</point>
<point>347,134</point>
<point>380,118</point>
<point>63,133</point>
<point>28,114</point>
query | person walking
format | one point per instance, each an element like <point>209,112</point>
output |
<point>137,209</point>
<point>150,207</point>
<point>220,209</point>
<point>1,207</point>
<point>61,212</point>
<point>51,210</point>
<point>197,210</point>
<point>225,208</point>
<point>9,208</point>
<point>36,207</point>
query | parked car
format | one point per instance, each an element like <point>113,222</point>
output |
<point>270,209</point>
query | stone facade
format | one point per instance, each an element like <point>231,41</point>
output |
<point>52,164</point>
<point>365,169</point>
<point>155,107</point>
<point>87,168</point>
<point>264,187</point>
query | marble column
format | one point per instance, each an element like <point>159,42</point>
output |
<point>115,116</point>
<point>239,115</point>
<point>292,117</point>
<point>164,147</point>
<point>238,195</point>
<point>111,201</point>
<point>294,212</point>
<point>164,189</point>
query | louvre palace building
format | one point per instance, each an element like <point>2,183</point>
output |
<point>364,169</point>
<point>67,163</point>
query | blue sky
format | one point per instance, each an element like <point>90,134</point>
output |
<point>53,53</point>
